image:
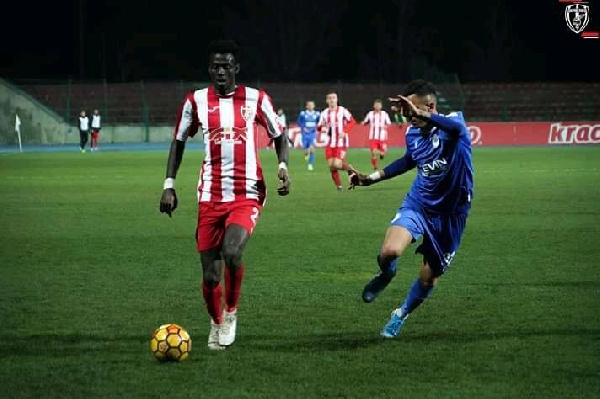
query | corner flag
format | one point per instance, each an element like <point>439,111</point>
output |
<point>18,131</point>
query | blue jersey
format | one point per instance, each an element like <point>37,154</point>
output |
<point>444,182</point>
<point>307,121</point>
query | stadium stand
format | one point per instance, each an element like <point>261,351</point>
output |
<point>155,103</point>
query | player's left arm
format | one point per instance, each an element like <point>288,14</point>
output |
<point>266,116</point>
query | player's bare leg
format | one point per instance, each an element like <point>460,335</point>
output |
<point>419,291</point>
<point>336,164</point>
<point>374,155</point>
<point>234,242</point>
<point>395,242</point>
<point>212,269</point>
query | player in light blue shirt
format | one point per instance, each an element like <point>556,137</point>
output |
<point>307,122</point>
<point>437,206</point>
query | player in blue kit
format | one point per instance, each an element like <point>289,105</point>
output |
<point>437,205</point>
<point>307,122</point>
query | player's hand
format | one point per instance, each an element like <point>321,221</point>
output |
<point>407,108</point>
<point>358,179</point>
<point>168,201</point>
<point>283,187</point>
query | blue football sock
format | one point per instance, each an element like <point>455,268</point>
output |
<point>417,294</point>
<point>311,158</point>
<point>388,267</point>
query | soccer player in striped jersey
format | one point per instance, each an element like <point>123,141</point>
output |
<point>436,207</point>
<point>378,121</point>
<point>231,189</point>
<point>336,121</point>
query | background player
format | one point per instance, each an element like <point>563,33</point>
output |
<point>307,122</point>
<point>336,121</point>
<point>378,121</point>
<point>96,126</point>
<point>231,190</point>
<point>84,129</point>
<point>437,205</point>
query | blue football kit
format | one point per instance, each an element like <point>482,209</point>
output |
<point>439,200</point>
<point>307,121</point>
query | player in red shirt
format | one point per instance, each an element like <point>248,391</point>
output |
<point>378,121</point>
<point>231,189</point>
<point>336,121</point>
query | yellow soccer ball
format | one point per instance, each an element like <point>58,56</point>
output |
<point>170,342</point>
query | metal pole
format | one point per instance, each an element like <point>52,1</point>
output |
<point>145,115</point>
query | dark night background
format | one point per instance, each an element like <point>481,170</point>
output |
<point>294,40</point>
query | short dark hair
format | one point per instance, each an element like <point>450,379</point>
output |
<point>420,87</point>
<point>378,100</point>
<point>223,46</point>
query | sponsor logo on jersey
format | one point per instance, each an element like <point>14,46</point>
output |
<point>576,133</point>
<point>434,168</point>
<point>228,135</point>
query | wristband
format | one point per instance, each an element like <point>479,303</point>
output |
<point>282,165</point>
<point>375,176</point>
<point>169,183</point>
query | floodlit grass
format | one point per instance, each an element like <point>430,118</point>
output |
<point>89,268</point>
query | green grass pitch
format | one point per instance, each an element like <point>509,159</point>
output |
<point>90,268</point>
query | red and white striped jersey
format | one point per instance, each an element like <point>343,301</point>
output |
<point>337,122</point>
<point>231,169</point>
<point>378,122</point>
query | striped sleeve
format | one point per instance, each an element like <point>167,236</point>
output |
<point>321,123</point>
<point>187,119</point>
<point>386,119</point>
<point>266,116</point>
<point>367,118</point>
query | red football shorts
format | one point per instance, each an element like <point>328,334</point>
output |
<point>215,217</point>
<point>379,145</point>
<point>95,133</point>
<point>339,153</point>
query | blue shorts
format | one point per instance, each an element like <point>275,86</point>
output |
<point>308,140</point>
<point>441,234</point>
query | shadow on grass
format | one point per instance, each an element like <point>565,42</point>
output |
<point>345,341</point>
<point>342,341</point>
<point>541,284</point>
<point>57,345</point>
<point>72,344</point>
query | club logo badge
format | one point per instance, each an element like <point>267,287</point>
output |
<point>247,112</point>
<point>577,17</point>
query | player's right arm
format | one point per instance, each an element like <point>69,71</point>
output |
<point>396,168</point>
<point>366,121</point>
<point>301,121</point>
<point>186,126</point>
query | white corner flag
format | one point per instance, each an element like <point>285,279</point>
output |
<point>18,131</point>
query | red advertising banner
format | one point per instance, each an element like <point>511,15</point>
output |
<point>487,134</point>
